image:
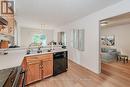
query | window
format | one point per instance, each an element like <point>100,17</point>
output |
<point>39,38</point>
<point>78,39</point>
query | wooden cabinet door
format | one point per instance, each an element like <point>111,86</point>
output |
<point>33,71</point>
<point>47,69</point>
<point>24,64</point>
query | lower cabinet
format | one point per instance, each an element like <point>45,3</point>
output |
<point>33,71</point>
<point>38,67</point>
<point>47,69</point>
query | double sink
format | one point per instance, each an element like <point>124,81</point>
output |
<point>43,51</point>
<point>38,51</point>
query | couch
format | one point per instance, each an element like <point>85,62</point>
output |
<point>108,54</point>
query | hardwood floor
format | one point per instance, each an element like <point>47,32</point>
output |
<point>113,75</point>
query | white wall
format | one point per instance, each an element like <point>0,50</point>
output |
<point>122,34</point>
<point>26,35</point>
<point>90,57</point>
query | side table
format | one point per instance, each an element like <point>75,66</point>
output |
<point>122,57</point>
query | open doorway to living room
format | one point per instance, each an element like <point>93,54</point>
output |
<point>115,46</point>
<point>114,39</point>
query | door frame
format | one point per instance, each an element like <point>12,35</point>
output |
<point>100,66</point>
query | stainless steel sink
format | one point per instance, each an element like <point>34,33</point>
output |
<point>35,51</point>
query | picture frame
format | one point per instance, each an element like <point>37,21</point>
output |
<point>108,40</point>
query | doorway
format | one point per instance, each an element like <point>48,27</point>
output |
<point>115,43</point>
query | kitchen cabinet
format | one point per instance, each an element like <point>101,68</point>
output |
<point>47,65</point>
<point>38,67</point>
<point>24,64</point>
<point>47,69</point>
<point>33,71</point>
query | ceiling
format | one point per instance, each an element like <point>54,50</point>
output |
<point>56,13</point>
<point>117,20</point>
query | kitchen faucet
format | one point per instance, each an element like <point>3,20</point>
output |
<point>29,48</point>
<point>39,48</point>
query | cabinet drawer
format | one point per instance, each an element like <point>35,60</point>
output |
<point>43,57</point>
<point>46,57</point>
<point>33,62</point>
<point>32,58</point>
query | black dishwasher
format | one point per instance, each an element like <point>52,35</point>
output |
<point>60,62</point>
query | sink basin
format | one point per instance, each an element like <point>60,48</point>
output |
<point>35,51</point>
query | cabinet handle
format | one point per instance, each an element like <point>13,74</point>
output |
<point>40,66</point>
<point>30,63</point>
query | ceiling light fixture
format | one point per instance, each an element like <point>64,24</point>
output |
<point>104,23</point>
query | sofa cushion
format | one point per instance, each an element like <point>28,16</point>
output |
<point>106,50</point>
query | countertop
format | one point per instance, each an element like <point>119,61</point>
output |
<point>54,51</point>
<point>15,57</point>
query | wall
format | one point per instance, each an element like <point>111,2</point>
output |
<point>121,33</point>
<point>90,57</point>
<point>26,35</point>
